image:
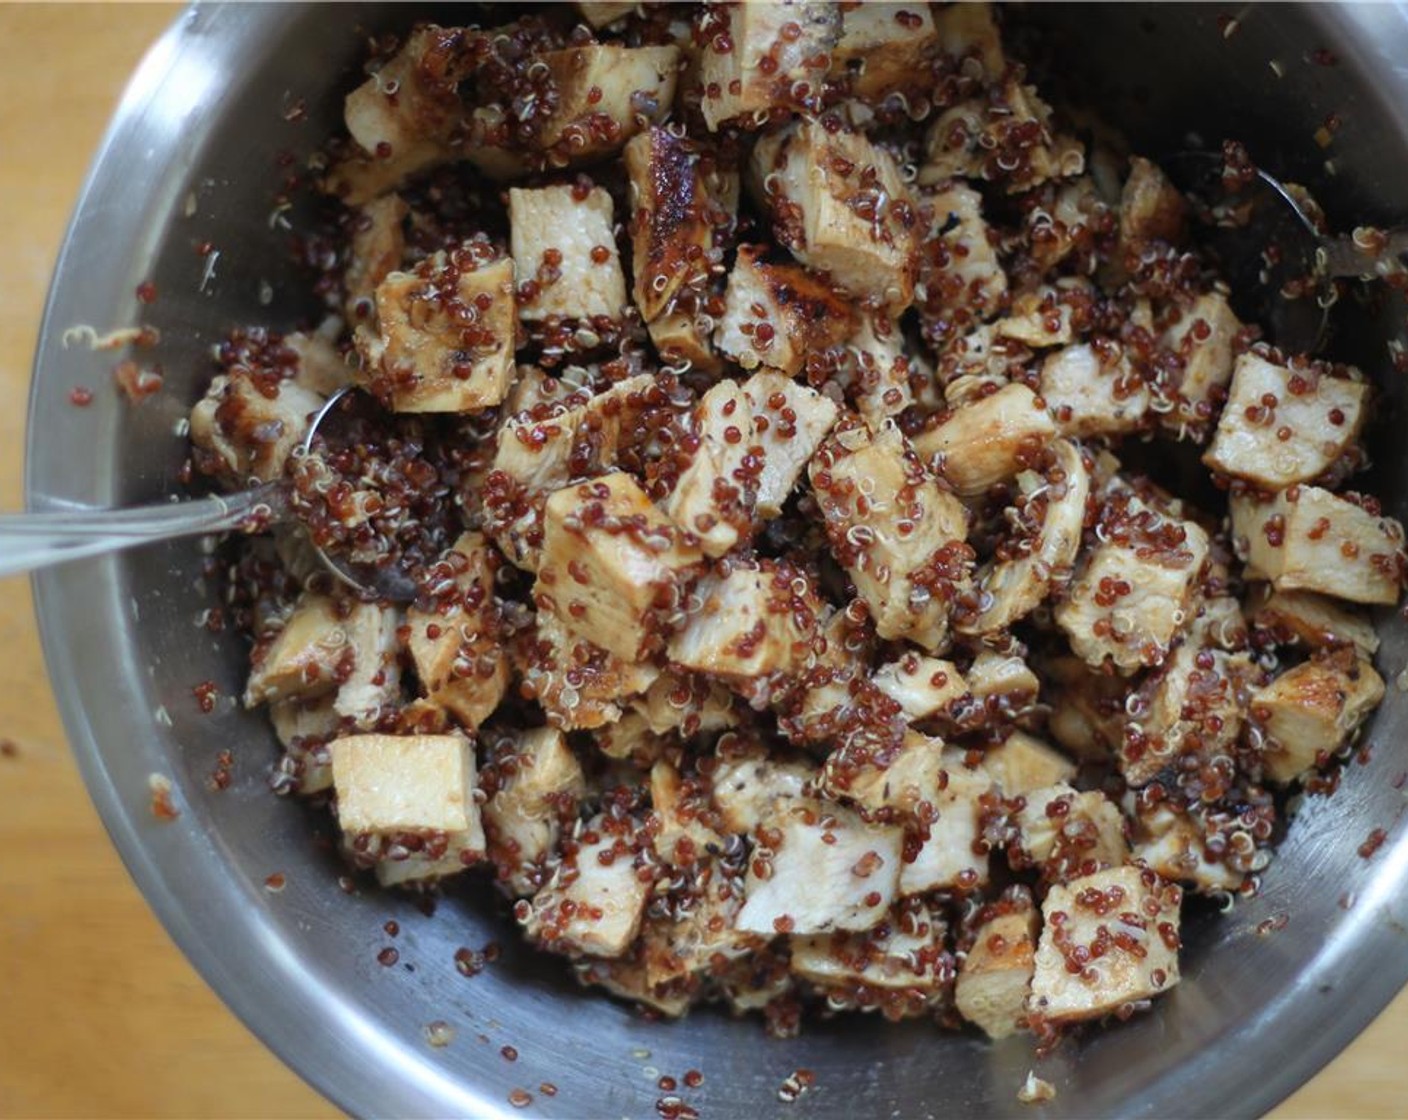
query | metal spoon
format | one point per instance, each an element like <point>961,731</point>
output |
<point>37,540</point>
<point>1280,267</point>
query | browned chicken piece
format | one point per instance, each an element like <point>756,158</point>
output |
<point>403,117</point>
<point>312,654</point>
<point>715,494</point>
<point>777,314</point>
<point>1284,425</point>
<point>1044,316</point>
<point>1203,337</point>
<point>898,534</point>
<point>304,727</point>
<point>241,434</point>
<point>1151,211</point>
<point>407,803</point>
<point>1309,712</point>
<point>595,900</point>
<point>536,782</point>
<point>564,254</point>
<point>610,559</point>
<point>923,687</point>
<point>968,34</point>
<point>1087,708</point>
<point>698,941</point>
<point>1094,390</point>
<point>680,831</point>
<point>1045,523</point>
<point>1220,624</point>
<point>819,867</point>
<point>945,857</point>
<point>1068,834</point>
<point>974,365</point>
<point>605,94</point>
<point>1174,844</point>
<point>1004,135</point>
<point>995,977</point>
<point>374,680</point>
<point>444,338</point>
<point>322,368</point>
<point>1190,709</point>
<point>676,706</point>
<point>1140,957</point>
<point>1064,220</point>
<point>750,781</point>
<point>1308,539</point>
<point>789,423</point>
<point>884,49</point>
<point>378,246</point>
<point>899,966</point>
<point>961,282</point>
<point>1302,617</point>
<point>685,336</point>
<point>457,645</point>
<point>628,977</point>
<point>1135,592</point>
<point>578,684</point>
<point>1002,681</point>
<point>839,205</point>
<point>761,59</point>
<point>1022,764</point>
<point>900,783</point>
<point>751,621</point>
<point>878,370</point>
<point>989,440</point>
<point>675,220</point>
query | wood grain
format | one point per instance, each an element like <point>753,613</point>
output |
<point>102,1016</point>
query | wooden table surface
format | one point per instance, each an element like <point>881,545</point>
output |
<point>100,1015</point>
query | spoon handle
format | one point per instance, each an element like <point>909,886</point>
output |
<point>1344,257</point>
<point>36,540</point>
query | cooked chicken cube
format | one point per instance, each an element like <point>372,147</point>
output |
<point>969,32</point>
<point>674,220</point>
<point>897,533</point>
<point>402,118</point>
<point>1067,221</point>
<point>1069,834</point>
<point>304,728</point>
<point>777,314</point>
<point>1044,316</point>
<point>878,370</point>
<point>1002,681</point>
<point>406,858</point>
<point>923,687</point>
<point>1220,623</point>
<point>961,282</point>
<point>1022,763</point>
<point>685,704</point>
<point>1191,709</point>
<point>995,977</point>
<point>1151,210</point>
<point>373,671</point>
<point>1133,917</point>
<point>456,646</point>
<point>1309,712</point>
<point>682,812</point>
<point>989,440</point>
<point>1203,338</point>
<point>974,365</point>
<point>1045,525</point>
<point>900,966</point>
<point>751,621</point>
<point>378,244</point>
<point>1173,844</point>
<point>819,867</point>
<point>322,368</point>
<point>906,781</point>
<point>537,782</point>
<point>750,782</point>
<point>789,423</point>
<point>609,558</point>
<point>1087,708</point>
<point>839,204</point>
<point>685,336</point>
<point>444,339</point>
<point>1307,539</point>
<point>629,977</point>
<point>1310,619</point>
<point>578,684</point>
<point>753,65</point>
<point>1093,392</point>
<point>883,49</point>
<point>702,938</point>
<point>596,898</point>
<point>1003,136</point>
<point>240,434</point>
<point>1285,425</point>
<point>714,496</point>
<point>605,94</point>
<point>405,783</point>
<point>946,856</point>
<point>564,254</point>
<point>1134,594</point>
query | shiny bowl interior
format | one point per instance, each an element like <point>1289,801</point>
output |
<point>191,156</point>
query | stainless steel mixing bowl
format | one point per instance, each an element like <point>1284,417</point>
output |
<point>192,156</point>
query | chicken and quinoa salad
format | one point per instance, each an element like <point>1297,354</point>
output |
<point>762,398</point>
